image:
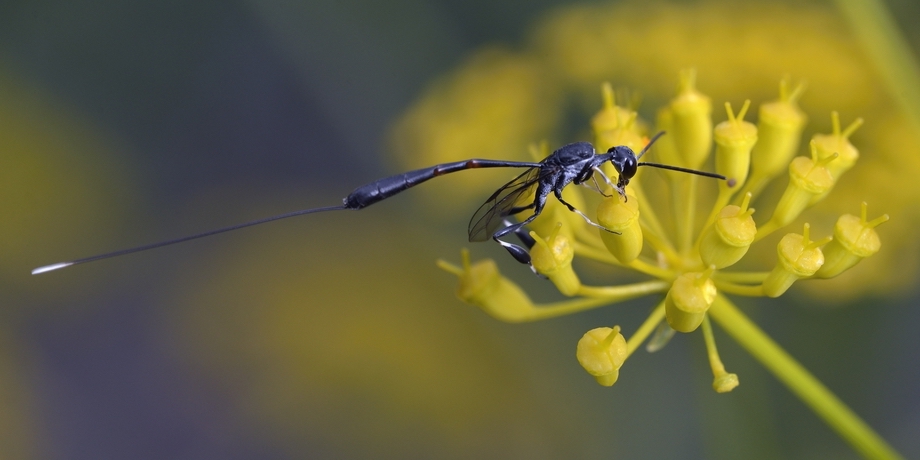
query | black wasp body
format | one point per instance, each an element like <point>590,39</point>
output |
<point>576,163</point>
<point>573,163</point>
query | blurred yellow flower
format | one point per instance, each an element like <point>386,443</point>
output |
<point>493,105</point>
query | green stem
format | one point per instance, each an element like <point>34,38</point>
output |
<point>740,289</point>
<point>715,362</point>
<point>741,277</point>
<point>624,292</point>
<point>600,254</point>
<point>596,253</point>
<point>683,202</point>
<point>811,391</point>
<point>566,307</point>
<point>655,317</point>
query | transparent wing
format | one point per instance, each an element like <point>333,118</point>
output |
<point>502,204</point>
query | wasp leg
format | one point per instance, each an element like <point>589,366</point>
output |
<point>609,182</point>
<point>519,209</point>
<point>523,235</point>
<point>597,187</point>
<point>583,216</point>
<point>519,253</point>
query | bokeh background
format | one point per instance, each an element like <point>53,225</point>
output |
<point>334,336</point>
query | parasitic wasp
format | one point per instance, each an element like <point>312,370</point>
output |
<point>576,162</point>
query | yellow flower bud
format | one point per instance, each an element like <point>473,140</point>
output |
<point>625,135</point>
<point>727,240</point>
<point>734,140</point>
<point>837,142</point>
<point>482,285</point>
<point>689,298</point>
<point>621,216</point>
<point>610,118</point>
<point>665,148</point>
<point>780,128</point>
<point>691,122</point>
<point>808,178</point>
<point>552,258</point>
<point>614,126</point>
<point>854,240</point>
<point>601,352</point>
<point>799,257</point>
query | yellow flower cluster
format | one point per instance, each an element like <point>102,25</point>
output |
<point>693,261</point>
<point>691,267</point>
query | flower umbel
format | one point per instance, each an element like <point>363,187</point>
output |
<point>692,260</point>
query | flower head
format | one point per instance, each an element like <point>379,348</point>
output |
<point>691,260</point>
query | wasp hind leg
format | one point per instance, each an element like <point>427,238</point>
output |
<point>519,253</point>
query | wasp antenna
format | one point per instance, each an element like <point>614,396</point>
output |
<point>649,145</point>
<point>146,247</point>
<point>686,170</point>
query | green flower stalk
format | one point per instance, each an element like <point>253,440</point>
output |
<point>691,261</point>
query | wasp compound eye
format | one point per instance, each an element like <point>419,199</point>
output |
<point>629,167</point>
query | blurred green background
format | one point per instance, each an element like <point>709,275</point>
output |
<point>329,336</point>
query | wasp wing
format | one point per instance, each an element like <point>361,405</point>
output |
<point>503,203</point>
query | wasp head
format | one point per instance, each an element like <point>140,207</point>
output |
<point>624,160</point>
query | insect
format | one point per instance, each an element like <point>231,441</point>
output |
<point>577,162</point>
